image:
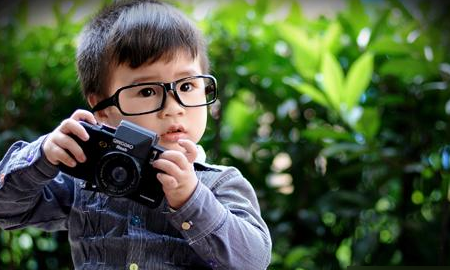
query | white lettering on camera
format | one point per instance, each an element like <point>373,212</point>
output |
<point>122,143</point>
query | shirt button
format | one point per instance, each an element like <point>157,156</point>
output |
<point>134,266</point>
<point>135,221</point>
<point>186,225</point>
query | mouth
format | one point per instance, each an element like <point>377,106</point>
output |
<point>173,134</point>
<point>175,129</point>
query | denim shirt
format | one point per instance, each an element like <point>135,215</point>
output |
<point>219,227</point>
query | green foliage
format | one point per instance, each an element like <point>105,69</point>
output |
<point>340,123</point>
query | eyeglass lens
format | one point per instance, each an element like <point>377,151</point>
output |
<point>149,97</point>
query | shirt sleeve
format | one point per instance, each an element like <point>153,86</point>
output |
<point>223,224</point>
<point>32,192</point>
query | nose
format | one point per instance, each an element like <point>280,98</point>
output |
<point>171,106</point>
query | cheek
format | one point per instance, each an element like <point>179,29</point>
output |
<point>148,121</point>
<point>198,121</point>
<point>113,117</point>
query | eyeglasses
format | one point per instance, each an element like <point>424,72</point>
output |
<point>143,98</point>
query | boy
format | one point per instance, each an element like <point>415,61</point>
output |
<point>141,61</point>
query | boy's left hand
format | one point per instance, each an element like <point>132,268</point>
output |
<point>179,179</point>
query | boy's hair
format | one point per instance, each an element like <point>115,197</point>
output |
<point>134,32</point>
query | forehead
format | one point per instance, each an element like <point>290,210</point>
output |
<point>163,70</point>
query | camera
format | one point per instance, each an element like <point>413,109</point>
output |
<point>119,162</point>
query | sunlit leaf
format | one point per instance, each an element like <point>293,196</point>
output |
<point>333,79</point>
<point>315,94</point>
<point>306,49</point>
<point>320,133</point>
<point>332,38</point>
<point>358,79</point>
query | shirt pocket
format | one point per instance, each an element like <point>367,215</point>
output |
<point>100,215</point>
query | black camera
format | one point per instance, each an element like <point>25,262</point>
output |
<point>119,162</point>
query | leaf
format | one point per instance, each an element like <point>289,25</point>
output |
<point>337,148</point>
<point>358,79</point>
<point>306,49</point>
<point>389,46</point>
<point>333,78</point>
<point>315,94</point>
<point>296,16</point>
<point>369,123</point>
<point>240,118</point>
<point>357,16</point>
<point>408,68</point>
<point>32,63</point>
<point>321,133</point>
<point>331,39</point>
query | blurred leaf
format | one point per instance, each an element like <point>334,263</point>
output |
<point>315,94</point>
<point>356,16</point>
<point>387,45</point>
<point>241,126</point>
<point>332,38</point>
<point>369,123</point>
<point>358,79</point>
<point>32,63</point>
<point>406,69</point>
<point>344,147</point>
<point>305,48</point>
<point>333,79</point>
<point>320,133</point>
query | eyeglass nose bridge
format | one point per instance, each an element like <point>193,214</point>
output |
<point>172,86</point>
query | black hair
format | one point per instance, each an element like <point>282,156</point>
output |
<point>134,32</point>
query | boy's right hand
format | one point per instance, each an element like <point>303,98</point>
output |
<point>59,144</point>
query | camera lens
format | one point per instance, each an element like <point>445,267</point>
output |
<point>117,174</point>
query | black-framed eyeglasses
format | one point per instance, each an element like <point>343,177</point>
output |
<point>143,98</point>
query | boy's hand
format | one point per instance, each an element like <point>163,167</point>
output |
<point>179,179</point>
<point>59,144</point>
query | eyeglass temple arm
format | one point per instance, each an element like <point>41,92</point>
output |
<point>103,104</point>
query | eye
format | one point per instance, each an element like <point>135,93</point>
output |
<point>147,92</point>
<point>186,87</point>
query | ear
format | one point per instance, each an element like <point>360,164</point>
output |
<point>92,100</point>
<point>101,115</point>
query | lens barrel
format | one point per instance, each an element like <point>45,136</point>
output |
<point>117,174</point>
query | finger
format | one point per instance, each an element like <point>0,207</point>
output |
<point>84,115</point>
<point>70,145</point>
<point>61,156</point>
<point>71,126</point>
<point>168,167</point>
<point>191,149</point>
<point>176,157</point>
<point>168,182</point>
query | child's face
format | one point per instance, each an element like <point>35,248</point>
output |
<point>174,121</point>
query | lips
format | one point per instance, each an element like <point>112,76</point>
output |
<point>174,133</point>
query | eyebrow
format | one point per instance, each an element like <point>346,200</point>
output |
<point>180,75</point>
